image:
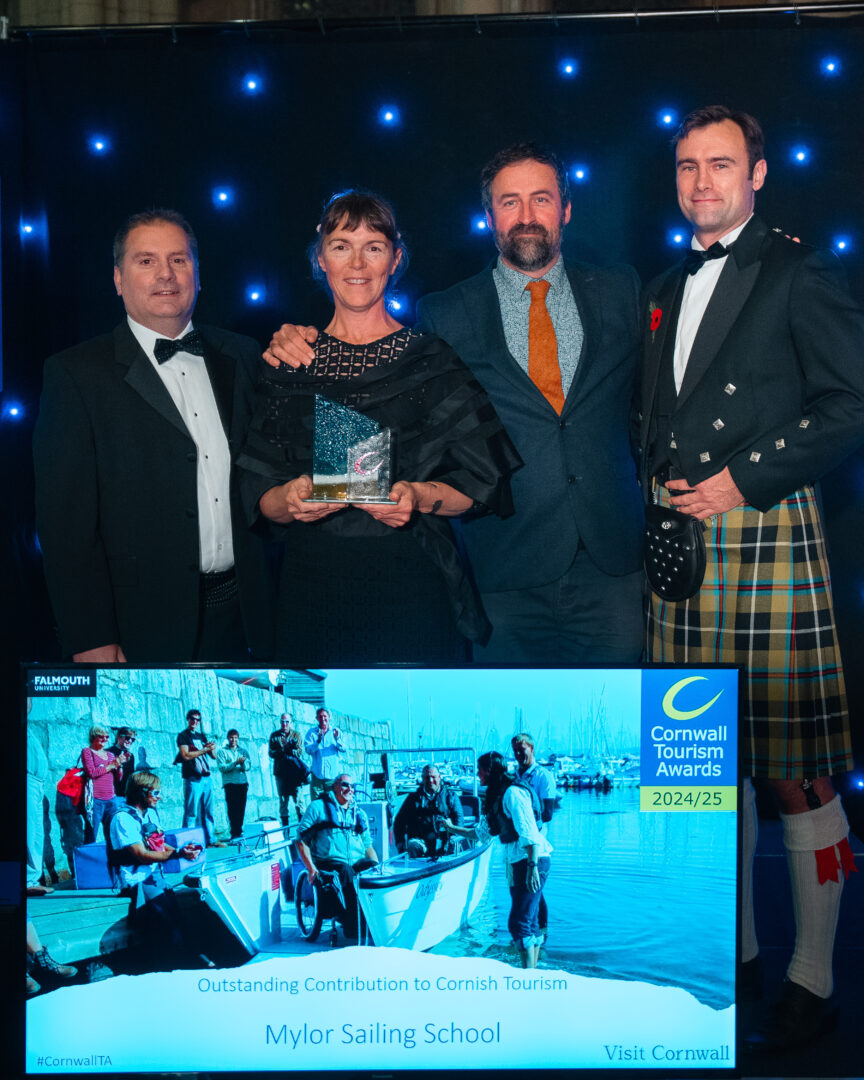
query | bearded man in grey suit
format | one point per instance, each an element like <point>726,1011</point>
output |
<point>753,387</point>
<point>555,344</point>
<point>145,552</point>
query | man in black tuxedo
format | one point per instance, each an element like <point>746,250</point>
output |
<point>146,556</point>
<point>753,387</point>
<point>555,344</point>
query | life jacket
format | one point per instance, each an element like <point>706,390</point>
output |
<point>424,807</point>
<point>500,824</point>
<point>331,821</point>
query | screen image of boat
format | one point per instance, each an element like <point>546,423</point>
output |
<point>297,972</point>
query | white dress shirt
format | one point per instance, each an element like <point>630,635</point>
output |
<point>698,290</point>
<point>186,380</point>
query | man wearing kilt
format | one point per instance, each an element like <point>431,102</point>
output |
<point>753,387</point>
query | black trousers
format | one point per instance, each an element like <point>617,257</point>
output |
<point>235,799</point>
<point>346,878</point>
<point>220,621</point>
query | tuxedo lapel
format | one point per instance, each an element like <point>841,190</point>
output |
<point>143,379</point>
<point>730,295</point>
<point>667,301</point>
<point>220,368</point>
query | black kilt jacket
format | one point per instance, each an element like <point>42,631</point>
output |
<point>774,386</point>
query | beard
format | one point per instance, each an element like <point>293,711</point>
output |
<point>529,247</point>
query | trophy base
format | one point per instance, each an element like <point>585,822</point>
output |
<point>368,499</point>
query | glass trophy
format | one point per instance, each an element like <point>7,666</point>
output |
<point>351,456</point>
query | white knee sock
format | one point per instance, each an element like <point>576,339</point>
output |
<point>749,833</point>
<point>816,905</point>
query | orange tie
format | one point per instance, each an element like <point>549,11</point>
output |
<point>543,368</point>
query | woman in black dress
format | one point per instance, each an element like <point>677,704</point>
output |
<point>370,582</point>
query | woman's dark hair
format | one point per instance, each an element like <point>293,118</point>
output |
<point>351,209</point>
<point>497,780</point>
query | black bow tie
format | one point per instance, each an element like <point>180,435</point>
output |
<point>694,260</point>
<point>166,347</point>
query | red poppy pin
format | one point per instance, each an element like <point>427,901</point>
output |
<point>656,318</point>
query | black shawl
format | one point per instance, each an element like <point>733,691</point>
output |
<point>445,429</point>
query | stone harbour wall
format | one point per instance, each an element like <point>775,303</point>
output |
<point>155,703</point>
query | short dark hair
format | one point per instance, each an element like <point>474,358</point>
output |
<point>356,207</point>
<point>716,114</point>
<point>139,785</point>
<point>122,732</point>
<point>513,155</point>
<point>193,714</point>
<point>232,731</point>
<point>152,217</point>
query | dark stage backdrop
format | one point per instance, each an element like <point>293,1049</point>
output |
<point>176,122</point>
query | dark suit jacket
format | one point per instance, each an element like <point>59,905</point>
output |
<point>774,386</point>
<point>116,498</point>
<point>579,478</point>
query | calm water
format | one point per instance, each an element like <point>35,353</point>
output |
<point>630,895</point>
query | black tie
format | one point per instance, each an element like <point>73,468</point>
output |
<point>694,260</point>
<point>166,347</point>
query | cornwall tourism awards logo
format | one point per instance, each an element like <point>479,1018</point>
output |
<point>689,740</point>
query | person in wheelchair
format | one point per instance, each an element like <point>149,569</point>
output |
<point>420,826</point>
<point>334,838</point>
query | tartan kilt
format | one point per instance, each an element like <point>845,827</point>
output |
<point>766,603</point>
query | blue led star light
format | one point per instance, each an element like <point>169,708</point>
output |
<point>579,174</point>
<point>388,116</point>
<point>223,197</point>
<point>33,229</point>
<point>830,66</point>
<point>12,410</point>
<point>667,118</point>
<point>677,237</point>
<point>568,68</point>
<point>396,304</point>
<point>842,244</point>
<point>99,145</point>
<point>256,294</point>
<point>800,155</point>
<point>479,224</point>
<point>252,83</point>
